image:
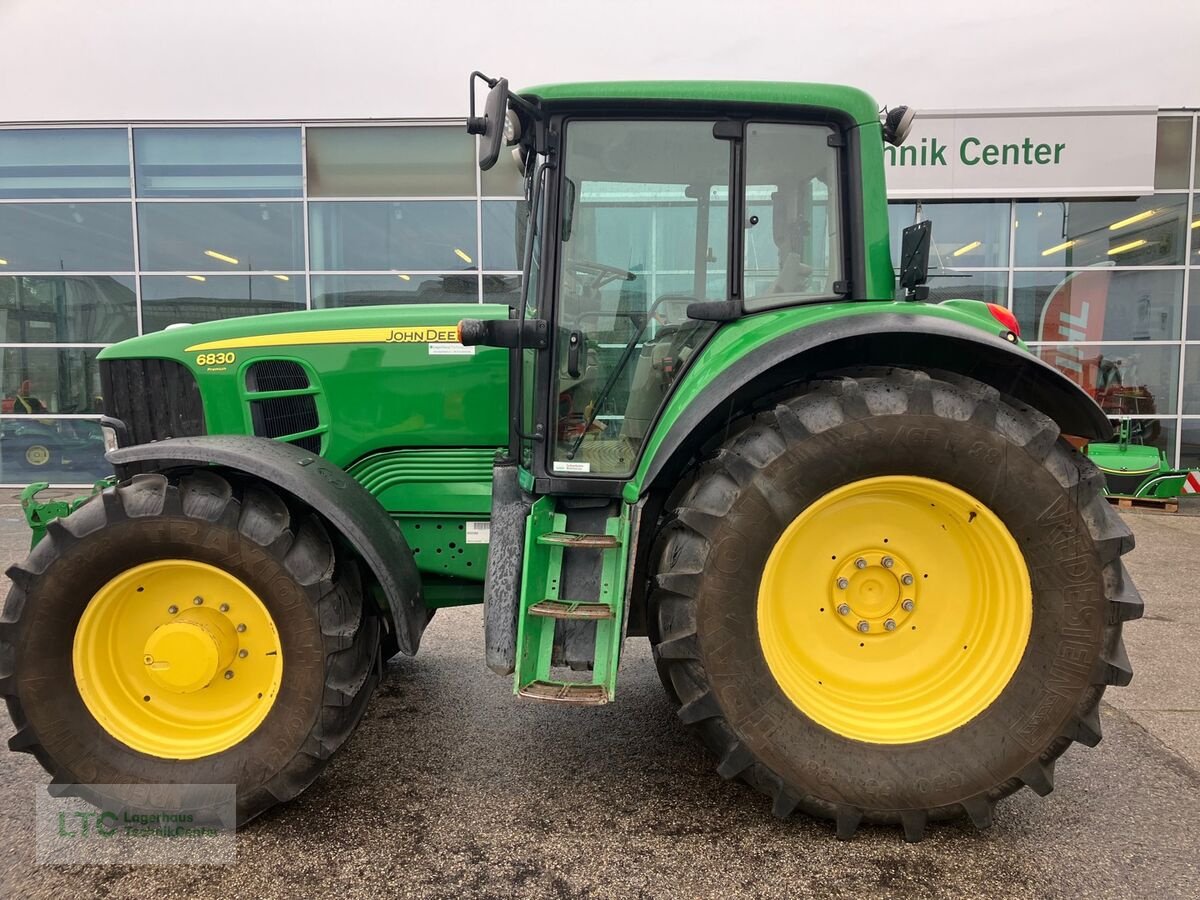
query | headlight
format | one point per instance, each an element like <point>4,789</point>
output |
<point>116,433</point>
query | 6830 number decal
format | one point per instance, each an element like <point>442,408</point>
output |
<point>215,359</point>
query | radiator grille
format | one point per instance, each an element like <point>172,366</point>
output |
<point>155,398</point>
<point>279,416</point>
<point>276,375</point>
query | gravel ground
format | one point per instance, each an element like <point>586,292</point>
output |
<point>452,788</point>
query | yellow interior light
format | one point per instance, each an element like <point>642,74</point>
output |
<point>221,256</point>
<point>967,248</point>
<point>283,278</point>
<point>404,277</point>
<point>3,262</point>
<point>1144,214</point>
<point>1132,245</point>
<point>462,254</point>
<point>196,277</point>
<point>1195,224</point>
<point>1065,245</point>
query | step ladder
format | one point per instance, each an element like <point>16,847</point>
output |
<point>548,543</point>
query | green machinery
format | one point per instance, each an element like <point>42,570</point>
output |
<point>1132,469</point>
<point>877,580</point>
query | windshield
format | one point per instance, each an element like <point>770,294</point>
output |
<point>645,232</point>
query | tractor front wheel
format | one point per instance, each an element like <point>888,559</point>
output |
<point>188,631</point>
<point>893,598</point>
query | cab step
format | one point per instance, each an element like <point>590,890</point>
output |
<point>571,609</point>
<point>572,603</point>
<point>569,693</point>
<point>578,541</point>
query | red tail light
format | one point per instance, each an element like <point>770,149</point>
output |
<point>1005,318</point>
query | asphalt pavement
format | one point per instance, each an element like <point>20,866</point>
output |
<point>453,788</point>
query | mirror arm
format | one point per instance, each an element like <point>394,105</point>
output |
<point>476,124</point>
<point>532,108</point>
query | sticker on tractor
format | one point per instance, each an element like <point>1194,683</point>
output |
<point>450,350</point>
<point>572,466</point>
<point>1191,484</point>
<point>479,532</point>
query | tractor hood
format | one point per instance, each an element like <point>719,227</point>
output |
<point>340,382</point>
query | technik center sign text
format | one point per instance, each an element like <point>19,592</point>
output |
<point>1089,153</point>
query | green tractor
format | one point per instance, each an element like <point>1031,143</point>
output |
<point>879,583</point>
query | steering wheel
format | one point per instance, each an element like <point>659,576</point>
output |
<point>601,274</point>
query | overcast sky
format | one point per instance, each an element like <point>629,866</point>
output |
<point>184,59</point>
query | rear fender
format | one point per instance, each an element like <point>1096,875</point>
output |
<point>345,505</point>
<point>927,342</point>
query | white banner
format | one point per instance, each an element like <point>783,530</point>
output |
<point>1025,153</point>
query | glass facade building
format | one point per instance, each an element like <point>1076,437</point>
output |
<point>110,231</point>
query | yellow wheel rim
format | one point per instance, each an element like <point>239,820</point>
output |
<point>894,609</point>
<point>177,659</point>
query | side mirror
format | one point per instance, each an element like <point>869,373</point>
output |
<point>491,125</point>
<point>914,260</point>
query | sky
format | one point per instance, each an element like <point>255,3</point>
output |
<point>66,60</point>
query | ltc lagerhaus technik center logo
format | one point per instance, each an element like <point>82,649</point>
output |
<point>132,824</point>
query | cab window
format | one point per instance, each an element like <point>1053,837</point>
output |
<point>794,242</point>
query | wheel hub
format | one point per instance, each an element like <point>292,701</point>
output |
<point>186,655</point>
<point>870,586</point>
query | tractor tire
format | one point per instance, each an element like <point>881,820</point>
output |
<point>282,608</point>
<point>812,587</point>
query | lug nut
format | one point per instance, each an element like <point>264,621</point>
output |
<point>860,563</point>
<point>888,562</point>
<point>224,607</point>
<point>907,606</point>
<point>906,579</point>
<point>172,609</point>
<point>864,626</point>
<point>889,625</point>
<point>241,628</point>
<point>243,653</point>
<point>228,674</point>
<point>844,609</point>
<point>843,583</point>
<point>197,601</point>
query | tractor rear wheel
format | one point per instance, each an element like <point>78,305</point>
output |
<point>893,598</point>
<point>187,631</point>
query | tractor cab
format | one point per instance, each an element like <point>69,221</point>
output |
<point>649,223</point>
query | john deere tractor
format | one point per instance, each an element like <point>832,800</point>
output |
<point>878,581</point>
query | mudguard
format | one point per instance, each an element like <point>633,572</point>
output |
<point>873,339</point>
<point>367,528</point>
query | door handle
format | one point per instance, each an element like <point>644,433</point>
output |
<point>575,346</point>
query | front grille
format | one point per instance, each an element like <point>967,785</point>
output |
<point>276,375</point>
<point>281,416</point>
<point>155,398</point>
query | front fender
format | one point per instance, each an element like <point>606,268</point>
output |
<point>328,490</point>
<point>749,365</point>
